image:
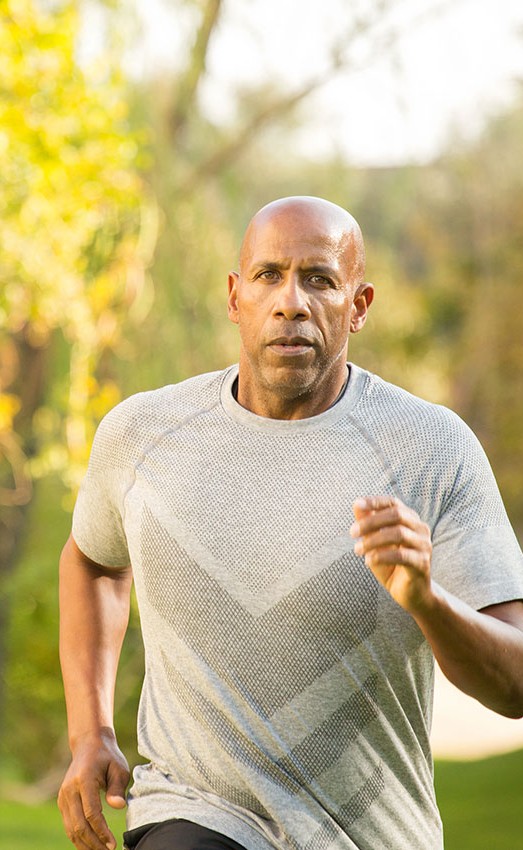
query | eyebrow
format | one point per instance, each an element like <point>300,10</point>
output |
<point>270,264</point>
<point>282,265</point>
<point>321,269</point>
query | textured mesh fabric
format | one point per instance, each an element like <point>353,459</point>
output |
<point>287,699</point>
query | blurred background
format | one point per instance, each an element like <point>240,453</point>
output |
<point>136,140</point>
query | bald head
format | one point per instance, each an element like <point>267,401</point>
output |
<point>321,219</point>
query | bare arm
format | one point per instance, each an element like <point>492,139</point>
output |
<point>94,612</point>
<point>481,652</point>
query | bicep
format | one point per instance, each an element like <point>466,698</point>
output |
<point>73,559</point>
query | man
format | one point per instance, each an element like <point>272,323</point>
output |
<point>289,647</point>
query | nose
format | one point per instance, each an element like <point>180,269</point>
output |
<point>291,301</point>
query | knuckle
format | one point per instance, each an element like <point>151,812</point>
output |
<point>92,814</point>
<point>395,513</point>
<point>65,794</point>
<point>79,829</point>
<point>64,789</point>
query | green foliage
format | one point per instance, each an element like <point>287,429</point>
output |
<point>457,256</point>
<point>35,739</point>
<point>35,695</point>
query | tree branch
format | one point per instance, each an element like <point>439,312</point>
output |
<point>188,83</point>
<point>374,25</point>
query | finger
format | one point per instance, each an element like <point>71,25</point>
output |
<point>97,829</point>
<point>117,779</point>
<point>388,556</point>
<point>366,504</point>
<point>395,513</point>
<point>389,535</point>
<point>116,801</point>
<point>79,830</point>
<point>68,821</point>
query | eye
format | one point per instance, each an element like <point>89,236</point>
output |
<point>319,281</point>
<point>268,274</point>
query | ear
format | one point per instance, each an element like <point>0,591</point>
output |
<point>232,301</point>
<point>363,298</point>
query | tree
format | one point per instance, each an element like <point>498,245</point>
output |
<point>481,234</point>
<point>75,240</point>
<point>456,244</point>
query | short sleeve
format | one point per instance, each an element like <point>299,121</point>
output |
<point>98,527</point>
<point>476,554</point>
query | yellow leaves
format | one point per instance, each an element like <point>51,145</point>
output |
<point>9,407</point>
<point>107,396</point>
<point>72,255</point>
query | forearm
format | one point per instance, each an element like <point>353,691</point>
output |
<point>480,652</point>
<point>477,652</point>
<point>94,612</point>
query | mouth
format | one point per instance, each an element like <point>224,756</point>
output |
<point>291,345</point>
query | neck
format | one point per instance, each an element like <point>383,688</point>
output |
<point>275,405</point>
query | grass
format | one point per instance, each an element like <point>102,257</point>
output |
<point>40,827</point>
<point>480,802</point>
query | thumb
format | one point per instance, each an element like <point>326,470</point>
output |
<point>117,779</point>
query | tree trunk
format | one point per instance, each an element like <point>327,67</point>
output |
<point>15,486</point>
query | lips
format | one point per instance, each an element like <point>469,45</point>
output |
<point>291,345</point>
<point>292,341</point>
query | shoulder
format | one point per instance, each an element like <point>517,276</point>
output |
<point>396,414</point>
<point>432,454</point>
<point>172,401</point>
<point>139,419</point>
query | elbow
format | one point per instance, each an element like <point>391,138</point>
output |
<point>516,700</point>
<point>512,713</point>
<point>512,707</point>
<point>515,712</point>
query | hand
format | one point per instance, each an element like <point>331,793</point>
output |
<point>97,765</point>
<point>397,548</point>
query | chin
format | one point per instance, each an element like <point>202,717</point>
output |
<point>290,385</point>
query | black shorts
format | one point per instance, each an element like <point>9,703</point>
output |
<point>177,835</point>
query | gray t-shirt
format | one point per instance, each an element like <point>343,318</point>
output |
<point>287,698</point>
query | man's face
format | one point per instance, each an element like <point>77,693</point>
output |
<point>295,299</point>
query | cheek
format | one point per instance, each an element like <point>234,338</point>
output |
<point>250,321</point>
<point>256,306</point>
<point>337,321</point>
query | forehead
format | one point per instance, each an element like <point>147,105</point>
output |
<point>291,237</point>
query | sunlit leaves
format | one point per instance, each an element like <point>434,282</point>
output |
<point>72,255</point>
